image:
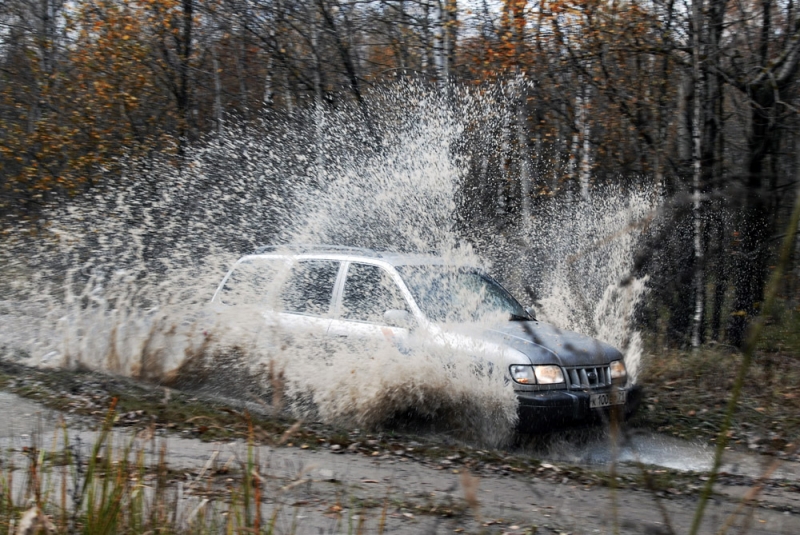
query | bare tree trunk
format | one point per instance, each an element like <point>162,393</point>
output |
<point>318,105</point>
<point>504,167</point>
<point>697,124</point>
<point>792,290</point>
<point>183,93</point>
<point>429,42</point>
<point>217,91</point>
<point>451,36</point>
<point>402,30</point>
<point>524,153</point>
<point>716,216</point>
<point>538,169</point>
<point>287,93</point>
<point>572,165</point>
<point>586,154</point>
<point>720,285</point>
<point>440,45</point>
<point>766,124</point>
<point>242,69</point>
<point>269,91</point>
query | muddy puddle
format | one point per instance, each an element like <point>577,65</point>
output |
<point>596,448</point>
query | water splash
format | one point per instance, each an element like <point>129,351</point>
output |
<point>121,281</point>
<point>585,253</point>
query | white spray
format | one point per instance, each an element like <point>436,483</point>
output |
<point>121,281</point>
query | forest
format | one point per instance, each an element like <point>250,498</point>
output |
<point>695,99</point>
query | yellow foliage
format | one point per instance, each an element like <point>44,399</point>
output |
<point>68,133</point>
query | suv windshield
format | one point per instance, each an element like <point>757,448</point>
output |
<point>450,294</point>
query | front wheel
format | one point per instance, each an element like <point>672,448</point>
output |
<point>633,401</point>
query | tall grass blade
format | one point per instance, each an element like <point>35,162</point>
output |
<point>748,350</point>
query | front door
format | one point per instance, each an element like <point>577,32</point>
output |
<point>369,292</point>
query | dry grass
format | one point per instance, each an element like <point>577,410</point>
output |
<point>687,392</point>
<point>116,490</point>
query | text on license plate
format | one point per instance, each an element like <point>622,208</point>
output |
<point>616,397</point>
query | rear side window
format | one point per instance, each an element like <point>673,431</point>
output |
<point>251,281</point>
<point>369,291</point>
<point>309,287</point>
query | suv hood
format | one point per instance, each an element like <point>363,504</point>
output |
<point>543,343</point>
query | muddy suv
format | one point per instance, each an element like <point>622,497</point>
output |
<point>360,295</point>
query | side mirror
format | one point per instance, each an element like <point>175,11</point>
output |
<point>398,318</point>
<point>531,313</point>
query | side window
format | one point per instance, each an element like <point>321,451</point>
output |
<point>369,291</point>
<point>251,281</point>
<point>309,287</point>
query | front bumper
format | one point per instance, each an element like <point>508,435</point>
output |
<point>540,411</point>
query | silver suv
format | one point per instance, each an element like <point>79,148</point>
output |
<point>360,295</point>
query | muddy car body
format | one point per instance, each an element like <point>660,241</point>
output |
<point>356,296</point>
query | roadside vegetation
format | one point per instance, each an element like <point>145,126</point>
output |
<point>116,489</point>
<point>687,390</point>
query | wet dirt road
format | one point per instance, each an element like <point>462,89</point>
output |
<point>654,449</point>
<point>326,492</point>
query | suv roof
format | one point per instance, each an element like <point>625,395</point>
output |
<point>394,258</point>
<point>299,248</point>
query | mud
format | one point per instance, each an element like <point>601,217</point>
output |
<point>420,487</point>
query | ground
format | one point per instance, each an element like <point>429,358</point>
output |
<point>322,479</point>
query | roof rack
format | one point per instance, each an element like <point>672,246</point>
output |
<point>300,248</point>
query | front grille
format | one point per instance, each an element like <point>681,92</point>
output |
<point>583,377</point>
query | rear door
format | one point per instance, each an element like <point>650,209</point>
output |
<point>369,291</point>
<point>251,282</point>
<point>305,300</point>
<point>246,300</point>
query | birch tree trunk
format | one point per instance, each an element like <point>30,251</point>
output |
<point>586,154</point>
<point>697,124</point>
<point>574,151</point>
<point>440,46</point>
<point>429,42</point>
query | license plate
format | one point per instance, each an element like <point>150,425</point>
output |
<point>616,397</point>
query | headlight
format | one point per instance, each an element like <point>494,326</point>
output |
<point>531,375</point>
<point>548,375</point>
<point>618,371</point>
<point>523,375</point>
